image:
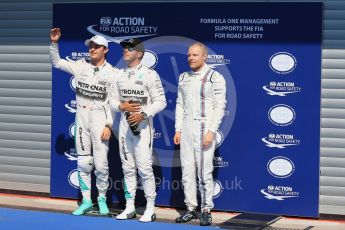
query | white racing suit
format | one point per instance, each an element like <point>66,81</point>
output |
<point>142,85</point>
<point>93,114</point>
<point>200,108</point>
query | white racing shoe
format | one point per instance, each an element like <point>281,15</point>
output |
<point>149,215</point>
<point>127,214</point>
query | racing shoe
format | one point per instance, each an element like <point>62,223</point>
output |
<point>85,206</point>
<point>187,216</point>
<point>127,214</point>
<point>102,205</point>
<point>149,215</point>
<point>206,219</point>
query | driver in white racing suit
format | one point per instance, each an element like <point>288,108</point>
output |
<point>139,95</point>
<point>200,108</point>
<point>93,117</point>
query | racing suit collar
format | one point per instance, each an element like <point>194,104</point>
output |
<point>135,68</point>
<point>200,72</point>
<point>100,66</point>
<point>96,69</point>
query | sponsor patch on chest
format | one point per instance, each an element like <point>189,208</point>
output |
<point>139,82</point>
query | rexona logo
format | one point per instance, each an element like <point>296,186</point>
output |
<point>280,167</point>
<point>281,89</point>
<point>73,179</point>
<point>217,188</point>
<point>280,141</point>
<point>282,62</point>
<point>72,106</point>
<point>279,192</point>
<point>214,60</point>
<point>281,115</point>
<point>72,129</point>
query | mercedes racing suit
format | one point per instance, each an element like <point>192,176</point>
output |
<point>93,114</point>
<point>200,108</point>
<point>142,85</point>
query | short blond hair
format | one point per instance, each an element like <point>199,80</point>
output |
<point>202,46</point>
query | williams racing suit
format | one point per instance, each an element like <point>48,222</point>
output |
<point>93,114</point>
<point>200,108</point>
<point>142,85</point>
